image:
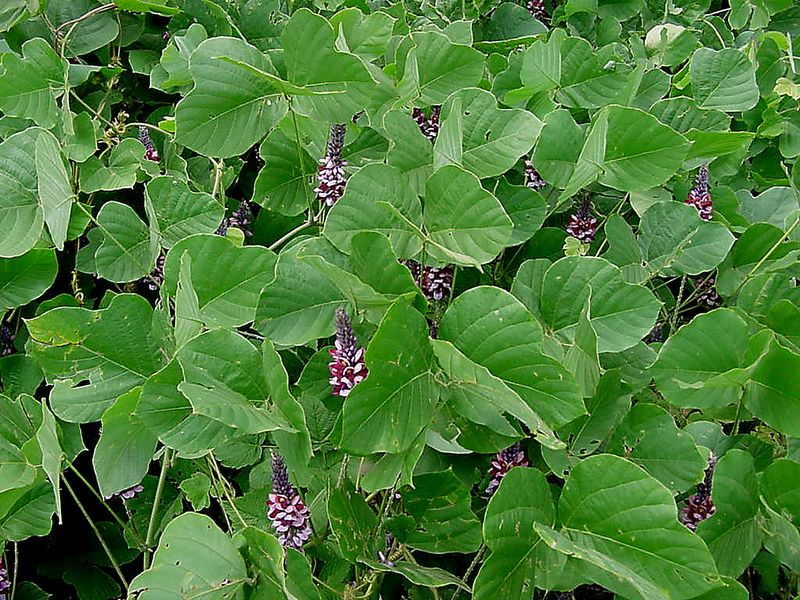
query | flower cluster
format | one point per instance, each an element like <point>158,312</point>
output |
<point>429,126</point>
<point>330,175</point>
<point>582,225</point>
<point>285,508</point>
<point>700,506</point>
<point>347,366</point>
<point>156,277</point>
<point>436,283</point>
<point>130,493</point>
<point>532,178</point>
<point>707,292</point>
<point>699,196</point>
<point>150,152</point>
<point>241,218</point>
<point>501,464</point>
<point>6,340</point>
<point>536,8</point>
<point>5,582</point>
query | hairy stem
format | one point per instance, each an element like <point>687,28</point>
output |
<point>151,526</point>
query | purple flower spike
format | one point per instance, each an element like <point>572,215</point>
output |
<point>582,225</point>
<point>6,341</point>
<point>429,126</point>
<point>707,292</point>
<point>437,283</point>
<point>157,275</point>
<point>241,218</point>
<point>536,8</point>
<point>131,492</point>
<point>700,197</point>
<point>532,178</point>
<point>5,582</point>
<point>285,508</point>
<point>700,506</point>
<point>502,463</point>
<point>150,152</point>
<point>330,175</point>
<point>347,366</point>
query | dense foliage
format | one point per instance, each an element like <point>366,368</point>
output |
<point>316,300</point>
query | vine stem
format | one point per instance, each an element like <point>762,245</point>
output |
<point>476,559</point>
<point>16,571</point>
<point>285,238</point>
<point>769,253</point>
<point>223,483</point>
<point>102,500</point>
<point>97,533</point>
<point>218,166</point>
<point>75,22</point>
<point>151,525</point>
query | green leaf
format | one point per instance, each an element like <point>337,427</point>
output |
<point>519,558</point>
<point>226,278</point>
<point>147,6</point>
<point>128,249</point>
<point>675,241</point>
<point>295,446</point>
<point>463,218</point>
<point>640,152</point>
<point>21,215</point>
<point>412,153</point>
<point>283,183</point>
<point>224,381</point>
<point>615,515</point>
<point>430,577</point>
<point>771,395</point>
<point>52,455</point>
<point>587,81</point>
<point>366,35</point>
<point>723,79</point>
<point>582,358</point>
<point>89,33</point>
<point>125,448</point>
<point>117,173</point>
<point>194,557</point>
<point>733,533</point>
<point>493,139</point>
<point>541,64</point>
<point>481,397</point>
<point>15,470</point>
<point>435,67</point>
<point>93,357</point>
<point>709,346</point>
<point>299,305</point>
<point>439,503</point>
<point>558,148</point>
<point>26,277</point>
<point>368,249</point>
<point>525,207</point>
<point>54,187</point>
<point>493,329</point>
<point>377,198</point>
<point>649,437</point>
<point>177,212</point>
<point>340,81</point>
<point>353,522</point>
<point>27,512</point>
<point>230,107</point>
<point>28,84</point>
<point>620,313</point>
<point>390,408</point>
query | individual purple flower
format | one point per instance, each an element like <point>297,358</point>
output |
<point>347,366</point>
<point>707,292</point>
<point>700,197</point>
<point>700,506</point>
<point>429,126</point>
<point>7,337</point>
<point>241,218</point>
<point>502,463</point>
<point>582,225</point>
<point>330,175</point>
<point>285,508</point>
<point>150,152</point>
<point>536,8</point>
<point>437,282</point>
<point>532,178</point>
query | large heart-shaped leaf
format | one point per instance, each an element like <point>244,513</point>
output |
<point>21,215</point>
<point>28,84</point>
<point>723,79</point>
<point>26,277</point>
<point>177,212</point>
